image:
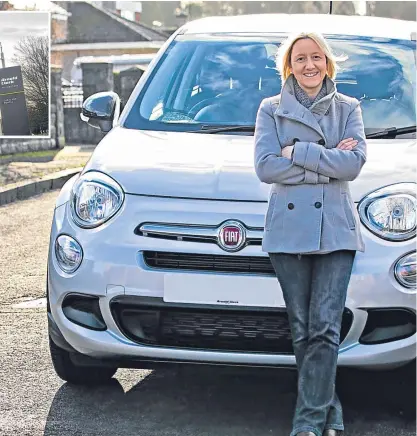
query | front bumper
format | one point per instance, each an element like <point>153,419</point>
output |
<point>113,267</point>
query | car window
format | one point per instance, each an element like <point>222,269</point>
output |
<point>222,80</point>
<point>382,76</point>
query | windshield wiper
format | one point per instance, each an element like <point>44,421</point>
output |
<point>389,133</point>
<point>217,129</point>
<point>392,132</point>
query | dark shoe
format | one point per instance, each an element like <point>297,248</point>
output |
<point>331,432</point>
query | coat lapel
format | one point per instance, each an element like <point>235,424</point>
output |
<point>290,108</point>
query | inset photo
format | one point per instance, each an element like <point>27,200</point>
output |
<point>24,73</point>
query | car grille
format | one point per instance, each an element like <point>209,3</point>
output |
<point>208,262</point>
<point>231,329</point>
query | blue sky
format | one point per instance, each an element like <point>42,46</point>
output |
<point>15,25</point>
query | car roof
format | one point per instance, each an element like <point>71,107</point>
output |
<point>289,23</point>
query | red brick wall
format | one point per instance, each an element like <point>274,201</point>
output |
<point>59,30</point>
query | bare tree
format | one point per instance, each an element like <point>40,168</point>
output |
<point>32,54</point>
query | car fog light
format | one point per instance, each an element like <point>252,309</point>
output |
<point>405,270</point>
<point>69,253</point>
<point>84,310</point>
<point>387,325</point>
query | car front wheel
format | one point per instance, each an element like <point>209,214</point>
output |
<point>80,375</point>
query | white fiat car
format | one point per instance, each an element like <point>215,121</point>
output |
<point>155,250</point>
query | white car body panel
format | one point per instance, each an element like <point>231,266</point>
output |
<point>221,166</point>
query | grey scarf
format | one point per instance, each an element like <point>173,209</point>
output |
<point>304,99</point>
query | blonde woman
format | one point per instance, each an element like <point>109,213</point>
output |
<point>309,144</point>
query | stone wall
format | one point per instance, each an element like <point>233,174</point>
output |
<point>57,108</point>
<point>78,131</point>
<point>125,82</point>
<point>15,145</point>
<point>97,77</point>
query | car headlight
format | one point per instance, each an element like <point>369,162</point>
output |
<point>405,270</point>
<point>95,198</point>
<point>69,253</point>
<point>390,212</point>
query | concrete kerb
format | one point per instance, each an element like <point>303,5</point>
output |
<point>29,188</point>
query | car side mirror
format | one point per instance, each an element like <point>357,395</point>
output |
<point>101,110</point>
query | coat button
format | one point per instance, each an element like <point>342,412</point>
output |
<point>295,140</point>
<point>317,204</point>
<point>321,142</point>
<point>327,112</point>
<point>290,206</point>
<point>285,112</point>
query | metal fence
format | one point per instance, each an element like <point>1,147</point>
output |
<point>72,96</point>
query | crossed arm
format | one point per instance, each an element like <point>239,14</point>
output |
<point>311,163</point>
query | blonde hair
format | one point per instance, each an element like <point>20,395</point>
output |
<point>283,58</point>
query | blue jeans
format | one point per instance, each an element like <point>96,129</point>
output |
<point>314,289</point>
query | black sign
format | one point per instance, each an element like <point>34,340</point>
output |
<point>14,114</point>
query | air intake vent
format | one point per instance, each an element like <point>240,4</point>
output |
<point>208,262</point>
<point>232,329</point>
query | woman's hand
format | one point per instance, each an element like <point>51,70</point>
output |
<point>347,144</point>
<point>287,151</point>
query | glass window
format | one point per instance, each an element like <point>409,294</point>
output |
<point>382,75</point>
<point>216,80</point>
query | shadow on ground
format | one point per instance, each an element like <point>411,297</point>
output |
<point>216,402</point>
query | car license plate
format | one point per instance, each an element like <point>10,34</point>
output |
<point>230,290</point>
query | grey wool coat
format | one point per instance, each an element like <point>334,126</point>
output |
<point>310,207</point>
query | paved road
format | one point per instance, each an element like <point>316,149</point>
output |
<point>197,402</point>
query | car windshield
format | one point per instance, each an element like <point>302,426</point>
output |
<point>205,80</point>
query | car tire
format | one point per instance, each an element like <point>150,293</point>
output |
<point>79,375</point>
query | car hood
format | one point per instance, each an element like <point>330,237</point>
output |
<point>217,166</point>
